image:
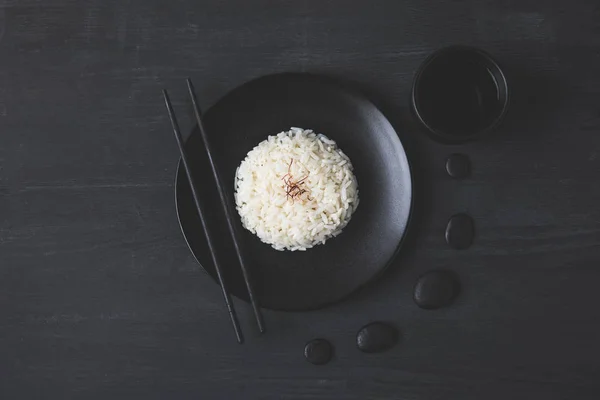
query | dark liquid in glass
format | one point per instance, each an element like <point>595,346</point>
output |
<point>458,94</point>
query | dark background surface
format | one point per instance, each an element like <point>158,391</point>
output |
<point>100,297</point>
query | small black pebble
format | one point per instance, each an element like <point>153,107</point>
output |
<point>458,166</point>
<point>460,231</point>
<point>318,351</point>
<point>436,289</point>
<point>376,337</point>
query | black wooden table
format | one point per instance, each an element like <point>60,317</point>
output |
<point>100,297</point>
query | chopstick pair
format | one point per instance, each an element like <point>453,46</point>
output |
<point>201,214</point>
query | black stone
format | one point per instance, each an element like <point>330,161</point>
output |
<point>376,337</point>
<point>436,289</point>
<point>460,231</point>
<point>318,351</point>
<point>458,166</point>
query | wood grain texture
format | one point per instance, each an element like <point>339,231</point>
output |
<point>100,298</point>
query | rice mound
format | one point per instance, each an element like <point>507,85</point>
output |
<point>317,210</point>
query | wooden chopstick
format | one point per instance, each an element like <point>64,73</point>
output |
<point>211,247</point>
<point>229,217</point>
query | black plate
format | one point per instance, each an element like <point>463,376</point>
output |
<point>326,273</point>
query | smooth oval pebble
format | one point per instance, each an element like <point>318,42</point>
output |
<point>458,166</point>
<point>376,337</point>
<point>460,231</point>
<point>436,289</point>
<point>318,351</point>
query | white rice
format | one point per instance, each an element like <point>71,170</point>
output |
<point>296,223</point>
